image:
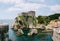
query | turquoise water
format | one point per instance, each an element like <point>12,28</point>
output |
<point>14,37</point>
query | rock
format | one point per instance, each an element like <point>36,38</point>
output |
<point>33,31</point>
<point>4,28</point>
<point>6,35</point>
<point>16,26</point>
<point>48,27</point>
<point>29,34</point>
<point>19,32</point>
<point>6,39</point>
<point>3,31</point>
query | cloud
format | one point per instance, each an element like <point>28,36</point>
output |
<point>35,1</point>
<point>25,7</point>
<point>11,1</point>
<point>55,8</point>
<point>42,0</point>
<point>20,6</point>
<point>14,7</point>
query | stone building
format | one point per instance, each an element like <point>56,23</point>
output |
<point>31,13</point>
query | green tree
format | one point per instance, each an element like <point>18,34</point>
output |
<point>41,19</point>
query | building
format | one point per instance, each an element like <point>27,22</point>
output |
<point>31,13</point>
<point>56,34</point>
<point>54,23</point>
<point>56,31</point>
<point>24,14</point>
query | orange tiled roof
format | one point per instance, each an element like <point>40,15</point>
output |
<point>53,23</point>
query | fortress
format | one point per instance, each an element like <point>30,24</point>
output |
<point>25,20</point>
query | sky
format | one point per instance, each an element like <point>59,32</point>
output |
<point>9,9</point>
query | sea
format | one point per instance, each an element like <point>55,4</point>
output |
<point>14,37</point>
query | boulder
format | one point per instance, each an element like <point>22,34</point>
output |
<point>16,26</point>
<point>33,31</point>
<point>19,32</point>
<point>6,39</point>
<point>48,27</point>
